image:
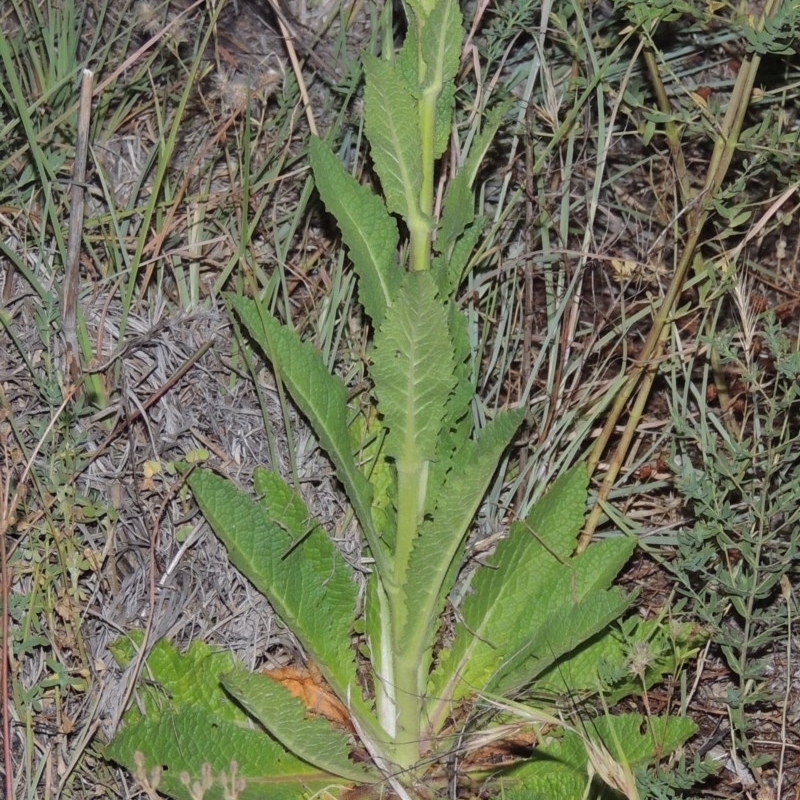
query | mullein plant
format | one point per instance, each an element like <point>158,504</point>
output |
<point>415,468</point>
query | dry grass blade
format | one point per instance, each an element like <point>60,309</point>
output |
<point>653,350</point>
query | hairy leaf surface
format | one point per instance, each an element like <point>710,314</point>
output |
<point>322,398</point>
<point>392,123</point>
<point>457,209</point>
<point>457,425</point>
<point>308,583</point>
<point>559,768</point>
<point>434,561</point>
<point>533,603</point>
<point>190,722</point>
<point>368,230</point>
<point>190,740</point>
<point>311,738</point>
<point>413,370</point>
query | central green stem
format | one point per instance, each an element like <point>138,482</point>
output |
<point>411,485</point>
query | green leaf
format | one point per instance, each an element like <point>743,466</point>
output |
<point>634,739</point>
<point>368,230</point>
<point>367,436</point>
<point>309,737</point>
<point>391,117</point>
<point>558,633</point>
<point>192,743</point>
<point>457,208</point>
<point>310,585</point>
<point>458,424</point>
<point>449,270</point>
<point>591,667</point>
<point>457,212</point>
<point>413,370</point>
<point>459,500</point>
<point>190,678</point>
<point>526,608</point>
<point>434,562</point>
<point>559,767</point>
<point>556,770</point>
<point>323,399</point>
<point>191,722</point>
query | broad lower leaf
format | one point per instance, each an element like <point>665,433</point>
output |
<point>308,583</point>
<point>311,738</point>
<point>635,739</point>
<point>609,662</point>
<point>322,398</point>
<point>188,747</point>
<point>554,634</point>
<point>368,230</point>
<point>509,615</point>
<point>198,735</point>
<point>392,123</point>
<point>556,770</point>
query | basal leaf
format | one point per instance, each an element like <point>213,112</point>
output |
<point>392,122</point>
<point>556,770</point>
<point>367,229</point>
<point>308,583</point>
<point>283,505</point>
<point>191,722</point>
<point>189,744</point>
<point>604,664</point>
<point>557,517</point>
<point>553,634</point>
<point>634,739</point>
<point>322,398</point>
<point>311,738</point>
<point>190,678</point>
<point>413,370</point>
<point>530,577</point>
<point>560,766</point>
